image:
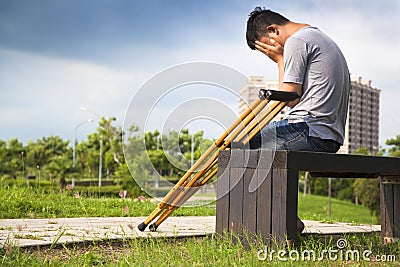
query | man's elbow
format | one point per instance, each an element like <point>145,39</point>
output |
<point>293,103</point>
<point>292,87</point>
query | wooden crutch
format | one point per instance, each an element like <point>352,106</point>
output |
<point>244,126</point>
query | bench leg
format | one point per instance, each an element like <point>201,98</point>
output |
<point>284,205</point>
<point>390,209</point>
<point>292,204</point>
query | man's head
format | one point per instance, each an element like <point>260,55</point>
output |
<point>261,22</point>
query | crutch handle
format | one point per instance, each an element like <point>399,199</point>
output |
<point>277,95</point>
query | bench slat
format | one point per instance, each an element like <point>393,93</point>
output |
<point>236,201</point>
<point>329,162</point>
<point>264,201</point>
<point>222,209</point>
<point>249,204</point>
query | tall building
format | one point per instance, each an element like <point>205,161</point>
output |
<point>362,125</point>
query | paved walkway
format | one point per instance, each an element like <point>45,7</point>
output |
<point>33,232</point>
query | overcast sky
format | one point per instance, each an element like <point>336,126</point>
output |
<point>57,56</point>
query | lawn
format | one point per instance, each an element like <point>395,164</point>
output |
<point>206,251</point>
<point>25,202</point>
<point>315,208</point>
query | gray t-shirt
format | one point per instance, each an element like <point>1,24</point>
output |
<point>312,59</point>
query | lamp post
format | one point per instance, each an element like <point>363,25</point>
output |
<point>23,164</point>
<point>38,167</point>
<point>101,160</point>
<point>75,139</point>
<point>101,144</point>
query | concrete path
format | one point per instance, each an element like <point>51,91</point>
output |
<point>34,232</point>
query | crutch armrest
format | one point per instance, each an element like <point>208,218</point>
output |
<point>277,95</point>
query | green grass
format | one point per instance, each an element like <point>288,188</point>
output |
<point>27,202</point>
<point>23,202</point>
<point>207,251</point>
<point>315,208</point>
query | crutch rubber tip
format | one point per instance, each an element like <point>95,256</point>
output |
<point>142,226</point>
<point>153,227</point>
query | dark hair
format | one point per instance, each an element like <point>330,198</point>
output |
<point>257,24</point>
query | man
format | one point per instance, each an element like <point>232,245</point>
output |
<point>311,65</point>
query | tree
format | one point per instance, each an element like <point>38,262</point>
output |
<point>3,157</point>
<point>108,139</point>
<point>88,154</point>
<point>43,151</point>
<point>152,140</point>
<point>81,157</point>
<point>15,157</point>
<point>54,146</point>
<point>395,150</point>
<point>58,167</point>
<point>170,154</point>
<point>137,169</point>
<point>36,156</point>
<point>341,188</point>
<point>368,193</point>
<point>367,190</point>
<point>112,143</point>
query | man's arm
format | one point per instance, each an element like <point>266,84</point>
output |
<point>275,52</point>
<point>289,87</point>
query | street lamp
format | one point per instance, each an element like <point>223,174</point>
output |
<point>75,139</point>
<point>38,167</point>
<point>23,164</point>
<point>101,144</point>
<point>83,109</point>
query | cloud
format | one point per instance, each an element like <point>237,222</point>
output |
<point>42,95</point>
<point>61,55</point>
<point>107,31</point>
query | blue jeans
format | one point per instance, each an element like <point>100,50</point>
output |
<point>282,135</point>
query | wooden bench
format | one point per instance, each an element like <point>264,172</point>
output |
<point>257,190</point>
